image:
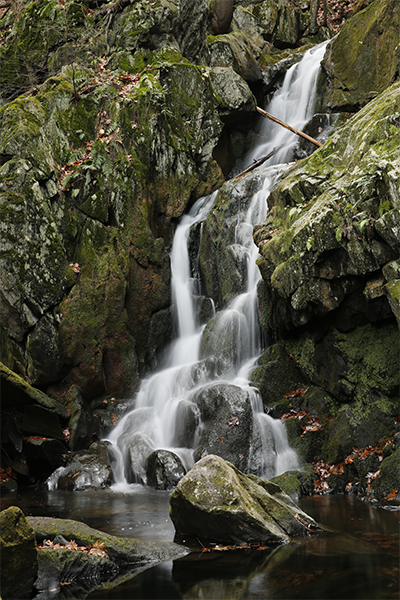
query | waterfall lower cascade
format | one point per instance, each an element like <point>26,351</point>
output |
<point>202,401</point>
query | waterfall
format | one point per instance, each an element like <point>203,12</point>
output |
<point>166,412</point>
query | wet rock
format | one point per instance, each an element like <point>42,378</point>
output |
<point>216,502</point>
<point>117,559</point>
<point>222,264</point>
<point>324,254</point>
<point>84,470</point>
<point>164,469</point>
<point>19,561</point>
<point>186,423</point>
<point>277,375</point>
<point>387,482</point>
<point>226,423</point>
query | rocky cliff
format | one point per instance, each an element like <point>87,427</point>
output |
<point>115,117</point>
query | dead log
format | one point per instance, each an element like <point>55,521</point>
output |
<point>296,131</point>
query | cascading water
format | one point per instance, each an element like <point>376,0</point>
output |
<point>166,413</point>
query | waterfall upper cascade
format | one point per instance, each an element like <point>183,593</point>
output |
<point>170,406</point>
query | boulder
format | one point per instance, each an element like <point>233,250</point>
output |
<point>221,15</point>
<point>164,469</point>
<point>218,503</point>
<point>19,560</point>
<point>226,423</point>
<point>83,470</point>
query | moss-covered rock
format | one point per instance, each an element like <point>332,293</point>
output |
<point>388,480</point>
<point>283,23</point>
<point>122,551</point>
<point>321,251</point>
<point>296,483</point>
<point>19,561</point>
<point>215,501</point>
<point>363,60</point>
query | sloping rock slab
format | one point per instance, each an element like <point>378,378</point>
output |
<point>216,502</point>
<point>123,551</point>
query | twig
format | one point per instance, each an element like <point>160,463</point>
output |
<point>260,161</point>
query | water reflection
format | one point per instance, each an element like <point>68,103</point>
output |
<point>357,556</point>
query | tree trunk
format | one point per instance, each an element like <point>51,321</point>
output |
<point>314,15</point>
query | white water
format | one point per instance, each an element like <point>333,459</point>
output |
<point>293,104</point>
<point>165,399</point>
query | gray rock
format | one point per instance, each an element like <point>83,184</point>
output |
<point>164,469</point>
<point>216,502</point>
<point>83,470</point>
<point>226,423</point>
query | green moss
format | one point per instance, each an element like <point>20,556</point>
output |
<point>373,357</point>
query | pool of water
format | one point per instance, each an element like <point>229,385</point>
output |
<point>357,556</point>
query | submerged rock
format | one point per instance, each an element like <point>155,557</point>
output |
<point>216,502</point>
<point>19,562</point>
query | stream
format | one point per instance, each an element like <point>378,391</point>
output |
<point>356,557</point>
<point>357,554</point>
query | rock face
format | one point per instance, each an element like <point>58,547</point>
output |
<point>354,71</point>
<point>335,224</point>
<point>19,561</point>
<point>329,262</point>
<point>215,501</point>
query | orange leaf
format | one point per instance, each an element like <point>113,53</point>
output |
<point>392,494</point>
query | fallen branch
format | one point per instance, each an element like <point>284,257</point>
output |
<point>259,162</point>
<point>296,131</point>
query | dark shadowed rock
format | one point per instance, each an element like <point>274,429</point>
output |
<point>164,469</point>
<point>215,501</point>
<point>226,423</point>
<point>18,554</point>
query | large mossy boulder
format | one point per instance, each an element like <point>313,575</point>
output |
<point>218,503</point>
<point>19,555</point>
<point>363,59</point>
